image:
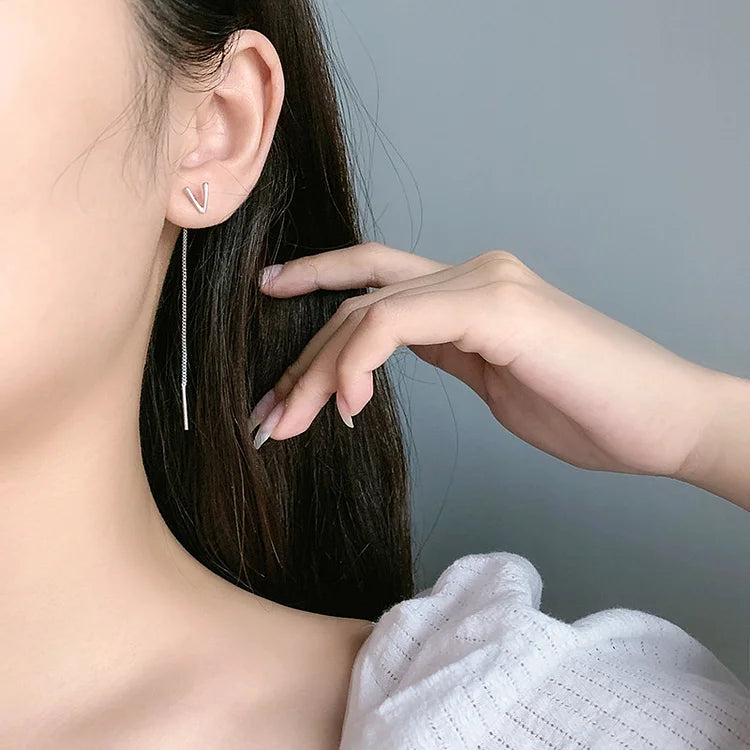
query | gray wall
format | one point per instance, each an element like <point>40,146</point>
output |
<point>608,145</point>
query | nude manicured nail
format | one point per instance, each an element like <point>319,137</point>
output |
<point>269,424</point>
<point>270,273</point>
<point>343,410</point>
<point>262,409</point>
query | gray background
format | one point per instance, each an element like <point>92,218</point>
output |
<point>607,144</point>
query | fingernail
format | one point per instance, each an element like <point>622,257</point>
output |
<point>262,409</point>
<point>270,273</point>
<point>269,424</point>
<point>343,410</point>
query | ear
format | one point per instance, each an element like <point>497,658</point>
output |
<point>225,136</point>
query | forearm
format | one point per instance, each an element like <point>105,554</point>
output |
<point>720,461</point>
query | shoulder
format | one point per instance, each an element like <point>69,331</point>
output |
<point>473,657</point>
<point>473,597</point>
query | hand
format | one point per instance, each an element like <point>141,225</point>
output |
<point>554,371</point>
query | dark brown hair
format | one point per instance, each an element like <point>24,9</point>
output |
<point>320,521</point>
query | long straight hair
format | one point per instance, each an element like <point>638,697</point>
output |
<point>320,521</point>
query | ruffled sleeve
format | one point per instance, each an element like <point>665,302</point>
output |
<point>472,663</point>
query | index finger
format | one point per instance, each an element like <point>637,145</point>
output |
<point>370,264</point>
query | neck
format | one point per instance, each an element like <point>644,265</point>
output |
<point>92,582</point>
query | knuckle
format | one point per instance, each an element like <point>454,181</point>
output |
<point>287,380</point>
<point>311,385</point>
<point>380,311</point>
<point>372,261</point>
<point>344,366</point>
<point>309,268</point>
<point>356,316</point>
<point>508,295</point>
<point>501,265</point>
<point>348,306</point>
<point>499,255</point>
<point>349,313</point>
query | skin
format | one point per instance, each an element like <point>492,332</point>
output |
<point>554,371</point>
<point>113,635</point>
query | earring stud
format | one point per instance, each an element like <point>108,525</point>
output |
<point>201,209</point>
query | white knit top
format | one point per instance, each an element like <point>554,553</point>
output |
<point>472,663</point>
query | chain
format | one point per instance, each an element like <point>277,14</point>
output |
<point>184,327</point>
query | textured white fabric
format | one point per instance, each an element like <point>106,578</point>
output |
<point>472,663</point>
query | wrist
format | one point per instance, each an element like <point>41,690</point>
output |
<point>720,460</point>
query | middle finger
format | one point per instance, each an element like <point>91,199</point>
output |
<point>465,275</point>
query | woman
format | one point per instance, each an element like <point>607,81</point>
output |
<point>165,583</point>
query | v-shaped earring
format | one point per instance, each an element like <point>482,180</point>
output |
<point>201,209</point>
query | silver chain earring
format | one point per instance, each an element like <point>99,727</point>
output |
<point>201,209</point>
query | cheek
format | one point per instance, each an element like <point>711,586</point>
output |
<point>77,235</point>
